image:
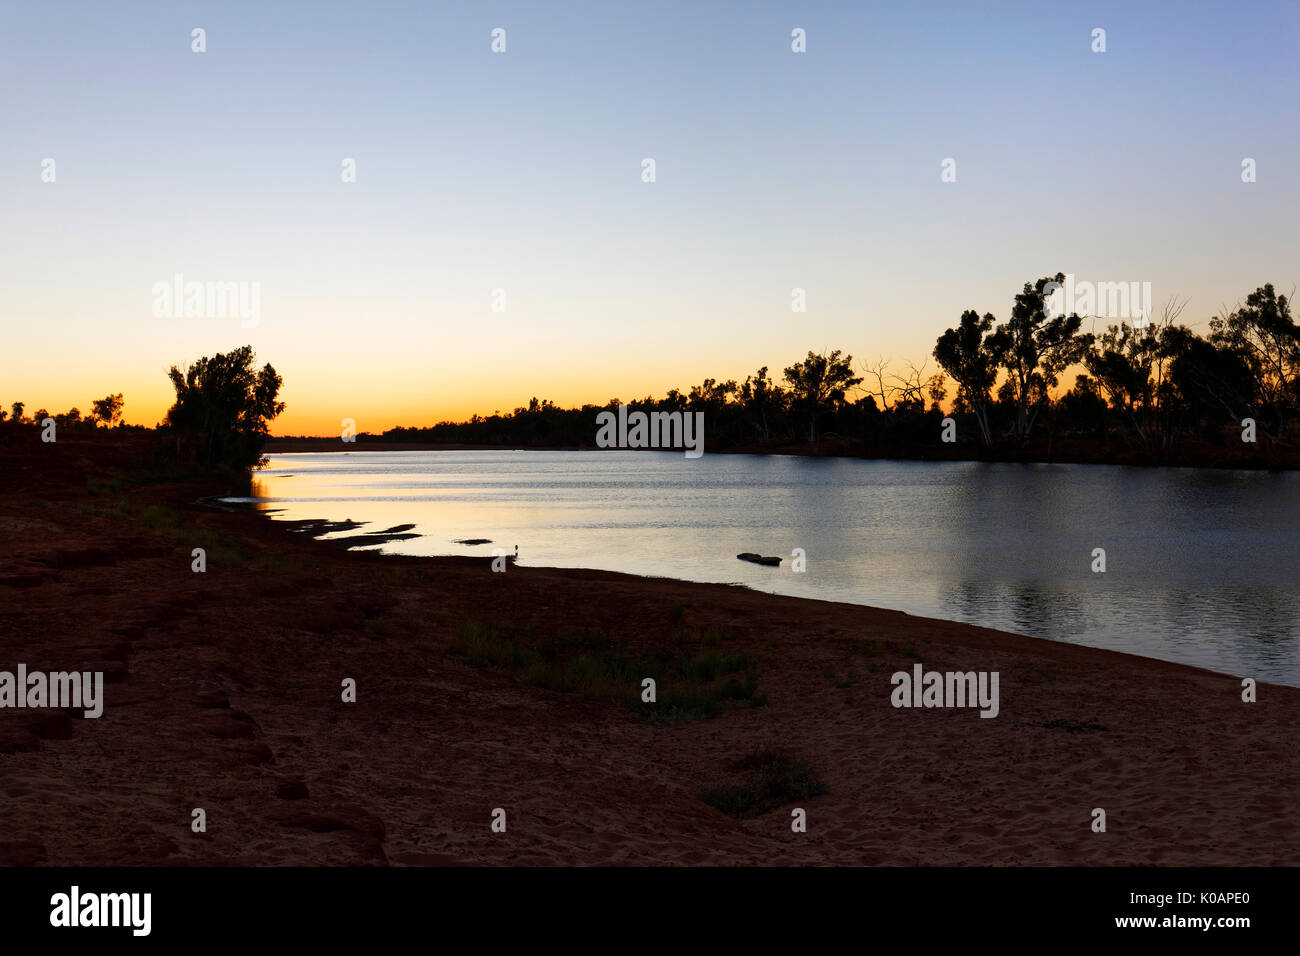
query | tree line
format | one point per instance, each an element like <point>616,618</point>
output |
<point>106,412</point>
<point>1145,388</point>
<point>220,419</point>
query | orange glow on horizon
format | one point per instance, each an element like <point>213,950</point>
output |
<point>315,407</point>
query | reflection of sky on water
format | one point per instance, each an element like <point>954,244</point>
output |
<point>1201,565</point>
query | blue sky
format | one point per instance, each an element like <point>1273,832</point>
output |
<point>521,171</point>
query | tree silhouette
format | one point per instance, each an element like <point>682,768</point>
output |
<point>819,384</point>
<point>1122,364</point>
<point>966,353</point>
<point>761,397</point>
<point>227,403</point>
<point>1266,337</point>
<point>1035,350</point>
<point>108,409</point>
<point>1210,383</point>
<point>1160,384</point>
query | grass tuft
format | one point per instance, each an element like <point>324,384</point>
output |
<point>691,684</point>
<point>774,779</point>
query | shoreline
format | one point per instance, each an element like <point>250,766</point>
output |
<point>325,526</point>
<point>222,691</point>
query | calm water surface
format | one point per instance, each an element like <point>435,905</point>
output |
<point>1201,565</point>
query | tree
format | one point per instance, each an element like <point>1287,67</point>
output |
<point>913,387</point>
<point>1130,367</point>
<point>108,409</point>
<point>761,396</point>
<point>819,384</point>
<point>1035,348</point>
<point>967,354</point>
<point>882,390</point>
<point>1264,334</point>
<point>1210,383</point>
<point>228,404</point>
<point>17,411</point>
<point>1122,364</point>
<point>710,396</point>
<point>1082,410</point>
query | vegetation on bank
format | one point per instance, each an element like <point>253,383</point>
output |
<point>694,680</point>
<point>105,412</point>
<point>218,423</point>
<point>223,408</point>
<point>1145,390</point>
<point>773,779</point>
<point>1156,393</point>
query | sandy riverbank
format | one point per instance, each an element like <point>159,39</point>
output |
<point>224,693</point>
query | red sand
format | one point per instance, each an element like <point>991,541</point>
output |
<point>225,695</point>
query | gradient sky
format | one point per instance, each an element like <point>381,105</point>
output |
<point>522,171</point>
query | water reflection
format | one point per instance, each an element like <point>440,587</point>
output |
<point>1200,565</point>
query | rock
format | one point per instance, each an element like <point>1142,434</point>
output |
<point>758,558</point>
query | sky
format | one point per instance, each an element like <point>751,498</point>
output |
<point>522,171</point>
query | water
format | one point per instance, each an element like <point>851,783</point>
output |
<point>1201,565</point>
